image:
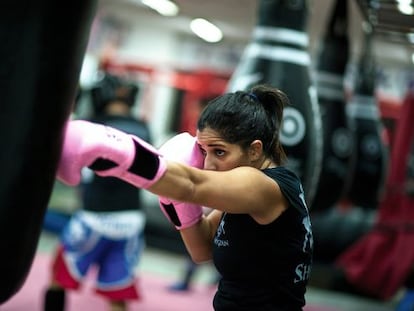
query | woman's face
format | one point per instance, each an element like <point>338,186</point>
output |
<point>219,154</point>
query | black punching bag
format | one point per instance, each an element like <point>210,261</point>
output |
<point>367,175</point>
<point>278,55</point>
<point>42,47</point>
<point>337,137</point>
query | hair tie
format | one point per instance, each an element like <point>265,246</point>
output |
<point>252,95</point>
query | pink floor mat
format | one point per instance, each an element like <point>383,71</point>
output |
<point>155,296</point>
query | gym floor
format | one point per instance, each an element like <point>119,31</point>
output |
<point>171,265</point>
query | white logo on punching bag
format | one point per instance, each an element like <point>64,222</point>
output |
<point>342,142</point>
<point>370,146</point>
<point>293,128</point>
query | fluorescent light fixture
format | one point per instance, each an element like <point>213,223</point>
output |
<point>410,37</point>
<point>406,7</point>
<point>164,7</point>
<point>206,30</point>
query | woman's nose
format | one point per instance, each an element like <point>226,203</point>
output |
<point>208,163</point>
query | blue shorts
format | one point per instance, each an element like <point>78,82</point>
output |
<point>111,242</point>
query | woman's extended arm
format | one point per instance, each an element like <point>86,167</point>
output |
<point>242,190</point>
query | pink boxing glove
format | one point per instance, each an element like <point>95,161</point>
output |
<point>109,152</point>
<point>182,148</point>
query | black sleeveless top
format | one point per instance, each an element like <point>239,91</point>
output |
<point>110,194</point>
<point>265,267</point>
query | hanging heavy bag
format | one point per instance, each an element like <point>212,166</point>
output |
<point>278,55</point>
<point>378,264</point>
<point>42,52</point>
<point>368,172</point>
<point>337,137</point>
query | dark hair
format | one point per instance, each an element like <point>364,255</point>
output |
<point>112,88</point>
<point>244,116</point>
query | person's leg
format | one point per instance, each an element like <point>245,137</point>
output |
<point>118,305</point>
<point>406,302</point>
<point>184,284</point>
<point>116,280</point>
<point>68,274</point>
<point>54,299</point>
<point>54,296</point>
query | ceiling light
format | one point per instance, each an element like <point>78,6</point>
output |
<point>164,7</point>
<point>206,30</point>
<point>406,7</point>
<point>410,37</point>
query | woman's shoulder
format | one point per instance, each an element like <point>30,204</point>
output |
<point>289,183</point>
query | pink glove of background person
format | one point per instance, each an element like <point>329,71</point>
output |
<point>109,152</point>
<point>182,148</point>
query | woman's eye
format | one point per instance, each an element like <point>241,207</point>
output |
<point>219,152</point>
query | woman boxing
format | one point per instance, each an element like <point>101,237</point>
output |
<point>259,235</point>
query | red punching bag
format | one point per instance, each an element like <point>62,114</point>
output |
<point>378,264</point>
<point>368,172</point>
<point>43,43</point>
<point>278,55</point>
<point>337,137</point>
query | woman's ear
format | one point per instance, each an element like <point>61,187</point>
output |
<point>255,150</point>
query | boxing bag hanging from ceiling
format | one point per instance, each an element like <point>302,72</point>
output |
<point>379,263</point>
<point>277,54</point>
<point>368,172</point>
<point>41,53</point>
<point>337,138</point>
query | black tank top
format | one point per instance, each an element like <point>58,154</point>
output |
<point>110,194</point>
<point>265,267</point>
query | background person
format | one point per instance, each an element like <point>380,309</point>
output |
<point>108,232</point>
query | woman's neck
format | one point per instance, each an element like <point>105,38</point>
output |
<point>267,163</point>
